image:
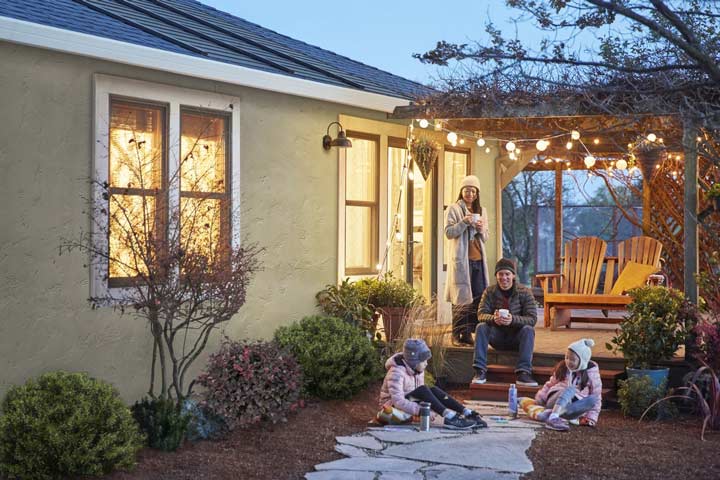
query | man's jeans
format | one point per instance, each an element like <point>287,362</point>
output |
<point>504,338</point>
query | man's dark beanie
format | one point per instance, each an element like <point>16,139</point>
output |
<point>505,264</point>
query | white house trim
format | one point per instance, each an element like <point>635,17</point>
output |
<point>52,38</point>
<point>175,98</point>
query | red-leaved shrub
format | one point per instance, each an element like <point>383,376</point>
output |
<point>246,382</point>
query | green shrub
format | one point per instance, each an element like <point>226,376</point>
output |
<point>653,330</point>
<point>162,421</point>
<point>337,359</point>
<point>349,301</point>
<point>248,382</point>
<point>65,424</point>
<point>636,394</point>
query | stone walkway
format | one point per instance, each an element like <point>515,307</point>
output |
<point>404,453</point>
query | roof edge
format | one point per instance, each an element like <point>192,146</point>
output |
<point>68,41</point>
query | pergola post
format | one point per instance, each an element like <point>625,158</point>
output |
<point>690,133</point>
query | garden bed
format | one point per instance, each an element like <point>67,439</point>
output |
<point>618,448</point>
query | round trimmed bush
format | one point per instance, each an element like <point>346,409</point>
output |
<point>337,359</point>
<point>64,425</point>
<point>246,382</point>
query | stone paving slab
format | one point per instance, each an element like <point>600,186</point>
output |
<point>350,451</point>
<point>413,436</point>
<point>401,476</point>
<point>445,472</point>
<point>372,464</point>
<point>504,452</point>
<point>340,475</point>
<point>361,441</point>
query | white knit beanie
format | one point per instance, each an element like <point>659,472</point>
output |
<point>582,349</point>
<point>470,181</point>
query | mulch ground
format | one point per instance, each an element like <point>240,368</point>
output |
<point>618,448</point>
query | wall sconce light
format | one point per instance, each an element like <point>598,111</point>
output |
<point>341,141</point>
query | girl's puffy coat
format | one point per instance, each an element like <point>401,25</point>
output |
<point>400,380</point>
<point>593,387</point>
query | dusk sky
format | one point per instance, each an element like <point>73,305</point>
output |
<point>383,34</point>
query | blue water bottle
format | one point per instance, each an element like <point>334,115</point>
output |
<point>512,401</point>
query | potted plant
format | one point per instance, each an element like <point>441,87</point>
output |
<point>350,302</point>
<point>392,298</point>
<point>652,332</point>
<point>714,194</point>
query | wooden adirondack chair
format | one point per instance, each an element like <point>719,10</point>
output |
<point>645,250</point>
<point>581,268</point>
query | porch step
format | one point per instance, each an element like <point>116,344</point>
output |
<point>506,374</point>
<point>502,376</point>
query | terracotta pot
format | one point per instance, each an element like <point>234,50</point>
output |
<point>393,320</point>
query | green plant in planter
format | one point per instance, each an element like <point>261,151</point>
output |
<point>638,398</point>
<point>653,330</point>
<point>389,292</point>
<point>348,301</point>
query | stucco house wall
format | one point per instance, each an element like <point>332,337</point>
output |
<point>289,188</point>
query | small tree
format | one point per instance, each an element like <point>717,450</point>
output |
<point>174,264</point>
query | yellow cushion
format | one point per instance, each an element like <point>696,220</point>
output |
<point>633,275</point>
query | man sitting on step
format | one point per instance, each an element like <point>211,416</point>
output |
<point>507,315</point>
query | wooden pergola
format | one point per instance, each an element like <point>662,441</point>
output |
<point>613,134</point>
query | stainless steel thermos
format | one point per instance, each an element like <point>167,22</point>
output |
<point>512,401</point>
<point>424,417</point>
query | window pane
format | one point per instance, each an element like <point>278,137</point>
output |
<point>203,152</point>
<point>200,222</point>
<point>136,147</point>
<point>455,171</point>
<point>358,235</point>
<point>132,223</point>
<point>362,170</point>
<point>396,260</point>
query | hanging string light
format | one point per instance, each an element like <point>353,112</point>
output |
<point>423,123</point>
<point>480,142</point>
<point>510,146</point>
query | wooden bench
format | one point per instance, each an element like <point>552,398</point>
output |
<point>577,286</point>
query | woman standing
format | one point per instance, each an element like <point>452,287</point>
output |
<point>466,228</point>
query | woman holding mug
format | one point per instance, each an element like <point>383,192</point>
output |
<point>466,229</point>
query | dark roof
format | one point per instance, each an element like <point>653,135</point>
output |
<point>191,28</point>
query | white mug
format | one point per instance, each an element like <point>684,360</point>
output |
<point>476,217</point>
<point>504,312</point>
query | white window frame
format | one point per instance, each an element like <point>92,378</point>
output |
<point>174,98</point>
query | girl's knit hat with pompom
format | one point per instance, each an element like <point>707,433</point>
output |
<point>582,349</point>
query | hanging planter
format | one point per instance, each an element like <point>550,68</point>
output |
<point>425,154</point>
<point>649,155</point>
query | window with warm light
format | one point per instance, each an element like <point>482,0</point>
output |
<point>136,185</point>
<point>204,205</point>
<point>362,204</point>
<point>456,168</point>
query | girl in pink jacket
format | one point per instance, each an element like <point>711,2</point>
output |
<point>573,392</point>
<point>404,388</point>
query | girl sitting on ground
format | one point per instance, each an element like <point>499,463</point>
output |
<point>404,388</point>
<point>574,392</point>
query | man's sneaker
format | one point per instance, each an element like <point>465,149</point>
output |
<point>480,377</point>
<point>524,379</point>
<point>458,422</point>
<point>557,424</point>
<point>475,417</point>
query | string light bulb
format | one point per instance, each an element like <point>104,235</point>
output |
<point>487,149</point>
<point>462,141</point>
<point>512,156</point>
<point>378,267</point>
<point>651,137</point>
<point>509,146</point>
<point>575,135</point>
<point>569,145</point>
<point>589,161</point>
<point>480,142</point>
<point>411,175</point>
<point>398,236</point>
<point>452,137</point>
<point>621,164</point>
<point>596,141</point>
<point>438,125</point>
<point>423,123</point>
<point>541,145</point>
